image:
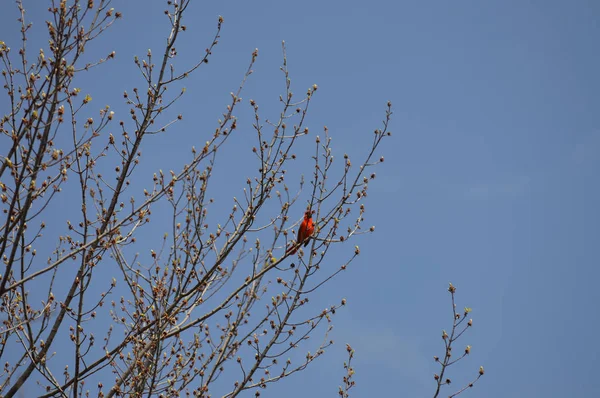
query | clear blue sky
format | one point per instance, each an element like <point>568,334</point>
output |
<point>489,182</point>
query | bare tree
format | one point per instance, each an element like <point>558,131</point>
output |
<point>460,325</point>
<point>176,320</point>
<point>348,382</point>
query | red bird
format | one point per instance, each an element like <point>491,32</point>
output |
<point>304,232</point>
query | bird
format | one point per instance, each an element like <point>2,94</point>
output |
<point>307,228</point>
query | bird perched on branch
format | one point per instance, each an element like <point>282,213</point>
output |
<point>307,228</point>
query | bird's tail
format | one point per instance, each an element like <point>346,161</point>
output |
<point>291,250</point>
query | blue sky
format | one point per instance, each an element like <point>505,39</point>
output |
<point>489,182</point>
